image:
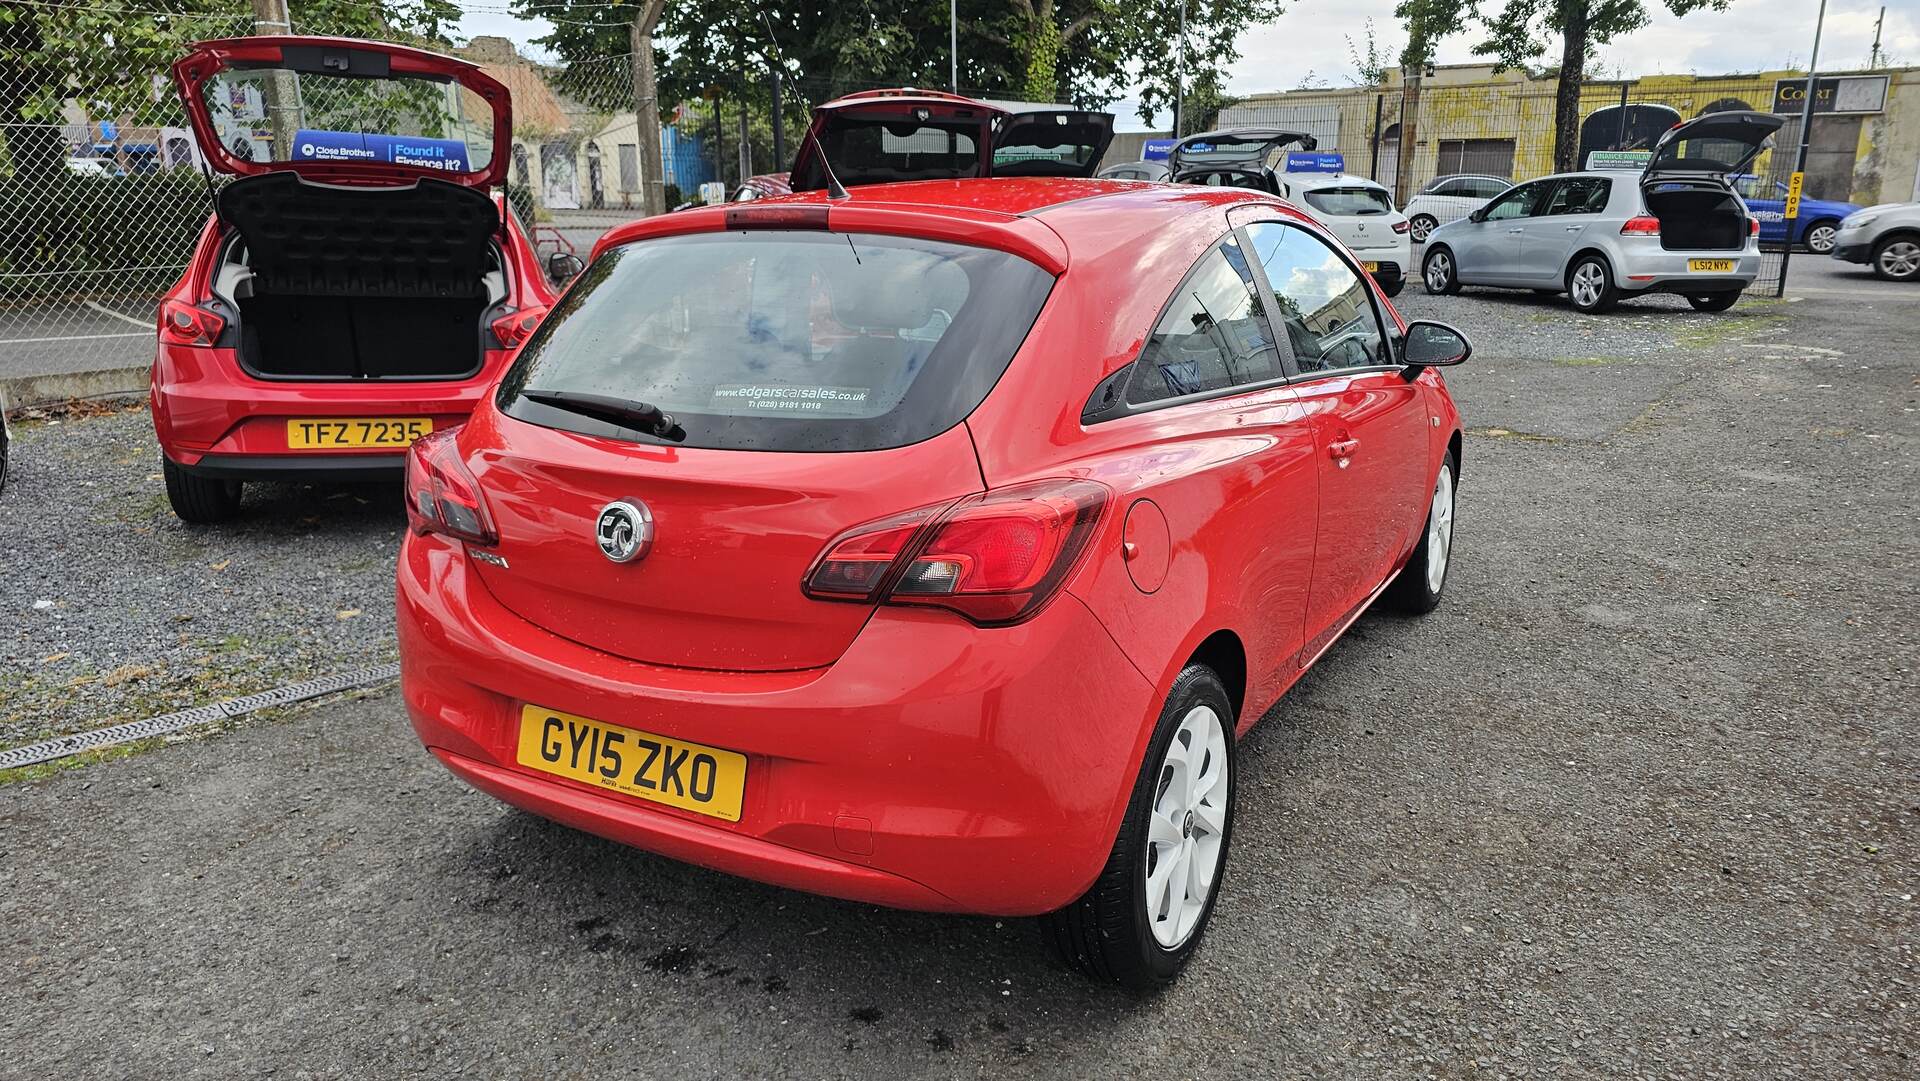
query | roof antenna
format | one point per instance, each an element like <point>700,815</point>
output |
<point>835,190</point>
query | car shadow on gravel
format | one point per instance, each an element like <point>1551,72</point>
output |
<point>918,980</point>
<point>268,508</point>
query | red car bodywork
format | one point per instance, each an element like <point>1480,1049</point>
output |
<point>904,755</point>
<point>209,412</point>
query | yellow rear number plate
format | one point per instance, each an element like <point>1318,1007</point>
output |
<point>1710,266</point>
<point>1371,268</point>
<point>397,432</point>
<point>690,776</point>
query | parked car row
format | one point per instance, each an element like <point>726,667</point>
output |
<point>844,539</point>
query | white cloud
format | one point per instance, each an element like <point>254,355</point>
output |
<point>1751,35</point>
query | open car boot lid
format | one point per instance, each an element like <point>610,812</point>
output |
<point>344,111</point>
<point>1233,150</point>
<point>1712,145</point>
<point>883,136</point>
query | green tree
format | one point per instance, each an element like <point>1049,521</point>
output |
<point>1523,31</point>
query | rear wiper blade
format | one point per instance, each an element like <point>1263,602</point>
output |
<point>640,416</point>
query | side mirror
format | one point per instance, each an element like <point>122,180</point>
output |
<point>1433,345</point>
<point>1478,215</point>
<point>563,267</point>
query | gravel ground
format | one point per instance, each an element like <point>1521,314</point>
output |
<point>1641,799</point>
<point>115,610</point>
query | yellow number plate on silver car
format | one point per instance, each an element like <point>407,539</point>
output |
<point>1710,266</point>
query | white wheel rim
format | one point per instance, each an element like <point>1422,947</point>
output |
<point>1587,282</point>
<point>1820,238</point>
<point>1900,258</point>
<point>1440,530</point>
<point>1421,228</point>
<point>1186,826</point>
<point>1439,267</point>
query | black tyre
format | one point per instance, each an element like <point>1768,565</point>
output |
<point>1141,920</point>
<point>1713,302</point>
<point>1392,288</point>
<point>1424,579</point>
<point>1442,278</point>
<point>200,500</point>
<point>1897,258</point>
<point>1422,225</point>
<point>1590,285</point>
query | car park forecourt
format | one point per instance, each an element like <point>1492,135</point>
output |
<point>338,303</point>
<point>977,630</point>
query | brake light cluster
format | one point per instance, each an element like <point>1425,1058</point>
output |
<point>996,558</point>
<point>183,324</point>
<point>1753,226</point>
<point>1401,226</point>
<point>1644,225</point>
<point>442,497</point>
<point>517,326</point>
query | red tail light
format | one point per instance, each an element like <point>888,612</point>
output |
<point>1644,225</point>
<point>995,558</point>
<point>1400,226</point>
<point>183,324</point>
<point>776,217</point>
<point>516,327</point>
<point>442,497</point>
<point>1753,226</point>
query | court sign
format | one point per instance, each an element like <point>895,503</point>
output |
<point>1840,95</point>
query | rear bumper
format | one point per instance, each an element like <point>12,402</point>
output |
<point>935,765</point>
<point>1661,271</point>
<point>211,416</point>
<point>327,467</point>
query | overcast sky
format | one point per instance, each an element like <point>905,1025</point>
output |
<point>1751,35</point>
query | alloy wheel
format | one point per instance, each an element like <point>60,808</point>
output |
<point>1440,530</point>
<point>1439,272</point>
<point>1186,826</point>
<point>1820,239</point>
<point>1900,259</point>
<point>1421,227</point>
<point>1588,282</point>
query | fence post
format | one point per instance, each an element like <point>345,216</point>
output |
<point>746,151</point>
<point>1373,166</point>
<point>1620,139</point>
<point>1800,158</point>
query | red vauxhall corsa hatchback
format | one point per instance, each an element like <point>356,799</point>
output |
<point>929,546</point>
<point>357,286</point>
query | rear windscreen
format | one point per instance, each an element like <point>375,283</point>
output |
<point>778,340</point>
<point>275,114</point>
<point>878,151</point>
<point>1349,201</point>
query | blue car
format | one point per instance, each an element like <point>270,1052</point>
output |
<point>1816,226</point>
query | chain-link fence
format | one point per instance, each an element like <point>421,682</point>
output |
<point>103,190</point>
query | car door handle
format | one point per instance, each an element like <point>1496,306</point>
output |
<point>1575,228</point>
<point>1516,231</point>
<point>1343,449</point>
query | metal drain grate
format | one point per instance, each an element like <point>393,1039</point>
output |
<point>48,750</point>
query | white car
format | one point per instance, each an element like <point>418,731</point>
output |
<point>1885,237</point>
<point>1450,198</point>
<point>91,167</point>
<point>1359,212</point>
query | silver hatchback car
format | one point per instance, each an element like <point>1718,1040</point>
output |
<point>1598,237</point>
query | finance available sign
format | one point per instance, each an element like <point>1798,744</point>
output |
<point>445,155</point>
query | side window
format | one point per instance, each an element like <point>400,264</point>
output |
<point>1487,189</point>
<point>1214,333</point>
<point>1580,195</point>
<point>1452,187</point>
<point>1521,202</point>
<point>1324,308</point>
